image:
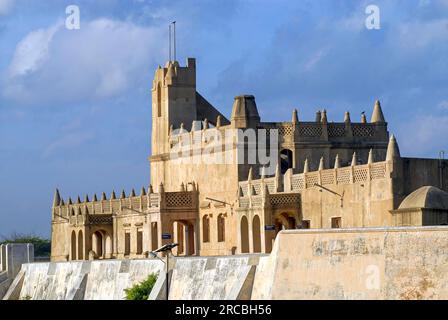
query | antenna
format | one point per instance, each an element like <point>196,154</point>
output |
<point>169,30</point>
<point>174,40</point>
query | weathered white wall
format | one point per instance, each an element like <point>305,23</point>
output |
<point>377,263</point>
<point>96,280</point>
<point>210,278</point>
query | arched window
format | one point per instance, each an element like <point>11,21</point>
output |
<point>285,160</point>
<point>159,100</point>
<point>221,228</point>
<point>80,246</point>
<point>244,229</point>
<point>205,229</point>
<point>256,234</point>
<point>73,245</point>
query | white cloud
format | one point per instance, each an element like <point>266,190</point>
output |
<point>32,51</point>
<point>103,59</point>
<point>6,6</point>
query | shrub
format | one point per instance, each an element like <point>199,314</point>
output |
<point>141,291</point>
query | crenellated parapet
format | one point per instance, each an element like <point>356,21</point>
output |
<point>101,211</point>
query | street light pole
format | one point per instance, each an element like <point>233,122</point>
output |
<point>166,248</point>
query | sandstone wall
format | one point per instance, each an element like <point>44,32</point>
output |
<point>377,263</point>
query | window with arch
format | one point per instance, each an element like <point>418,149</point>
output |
<point>159,100</point>
<point>205,228</point>
<point>285,160</point>
<point>221,228</point>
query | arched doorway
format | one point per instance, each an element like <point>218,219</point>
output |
<point>80,245</point>
<point>73,246</point>
<point>285,160</point>
<point>108,254</point>
<point>97,243</point>
<point>284,221</point>
<point>221,223</point>
<point>244,231</point>
<point>256,234</point>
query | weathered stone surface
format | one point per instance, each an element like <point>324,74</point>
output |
<point>376,263</point>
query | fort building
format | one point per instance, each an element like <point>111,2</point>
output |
<point>326,174</point>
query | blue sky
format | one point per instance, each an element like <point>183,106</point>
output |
<point>75,104</point>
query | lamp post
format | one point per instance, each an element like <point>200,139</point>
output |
<point>166,248</point>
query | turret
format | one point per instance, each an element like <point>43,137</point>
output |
<point>142,192</point>
<point>295,118</point>
<point>392,149</point>
<point>318,116</point>
<point>56,198</point>
<point>245,112</point>
<point>123,194</point>
<point>324,117</point>
<point>377,115</point>
<point>132,193</point>
<point>113,196</point>
<point>103,196</point>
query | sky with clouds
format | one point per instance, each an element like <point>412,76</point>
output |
<point>75,104</point>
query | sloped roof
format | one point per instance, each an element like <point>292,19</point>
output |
<point>428,197</point>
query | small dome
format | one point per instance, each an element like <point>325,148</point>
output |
<point>426,197</point>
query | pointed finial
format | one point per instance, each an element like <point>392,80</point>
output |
<point>277,170</point>
<point>161,188</point>
<point>347,117</point>
<point>78,200</point>
<point>132,193</point>
<point>113,196</point>
<point>143,192</point>
<point>182,187</point>
<point>70,201</point>
<point>263,172</point>
<point>337,162</point>
<point>218,121</point>
<point>240,192</point>
<point>354,159</point>
<point>95,198</point>
<point>363,117</point>
<point>123,194</point>
<point>324,116</point>
<point>321,164</point>
<point>370,160</point>
<point>182,127</point>
<point>266,189</point>
<point>62,202</point>
<point>56,198</point>
<point>295,117</point>
<point>103,196</point>
<point>206,126</point>
<point>250,175</point>
<point>86,199</point>
<point>150,189</point>
<point>306,166</point>
<point>377,115</point>
<point>318,116</point>
<point>392,149</point>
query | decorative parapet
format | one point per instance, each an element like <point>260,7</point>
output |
<point>295,183</point>
<point>102,211</point>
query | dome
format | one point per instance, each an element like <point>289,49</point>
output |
<point>426,197</point>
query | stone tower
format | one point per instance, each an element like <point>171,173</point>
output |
<point>173,101</point>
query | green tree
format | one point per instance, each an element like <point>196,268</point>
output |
<point>42,246</point>
<point>141,291</point>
